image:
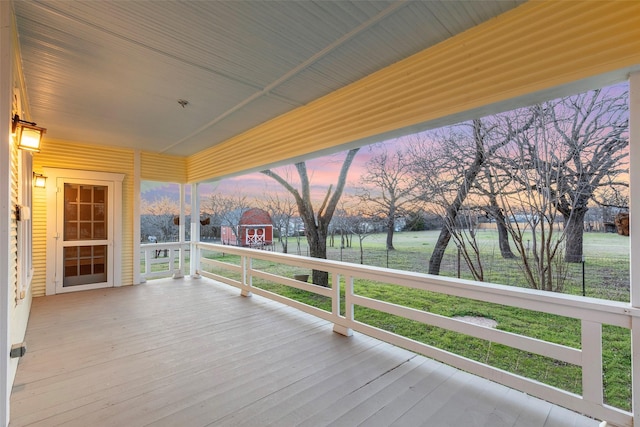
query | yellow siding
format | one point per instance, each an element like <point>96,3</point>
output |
<point>163,168</point>
<point>82,157</point>
<point>39,224</point>
<point>537,46</point>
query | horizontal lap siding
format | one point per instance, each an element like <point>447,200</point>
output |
<point>39,224</point>
<point>163,168</point>
<point>82,157</point>
<point>535,47</point>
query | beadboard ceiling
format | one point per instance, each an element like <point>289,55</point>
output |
<point>113,72</point>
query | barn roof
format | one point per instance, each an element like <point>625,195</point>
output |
<point>255,216</point>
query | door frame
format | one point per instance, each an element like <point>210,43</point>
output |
<point>53,177</point>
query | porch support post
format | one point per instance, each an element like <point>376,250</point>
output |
<point>194,264</point>
<point>179,273</point>
<point>6,95</point>
<point>634,227</point>
<point>6,91</point>
<point>136,218</point>
<point>335,306</point>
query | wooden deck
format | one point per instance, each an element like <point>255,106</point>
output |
<point>195,353</point>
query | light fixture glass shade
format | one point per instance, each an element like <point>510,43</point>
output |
<point>39,181</point>
<point>29,137</point>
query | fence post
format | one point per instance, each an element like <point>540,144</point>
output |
<point>584,291</point>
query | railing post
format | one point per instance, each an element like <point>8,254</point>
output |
<point>247,281</point>
<point>194,263</point>
<point>147,266</point>
<point>348,314</point>
<point>177,273</point>
<point>592,362</point>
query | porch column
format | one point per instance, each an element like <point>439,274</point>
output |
<point>634,228</point>
<point>6,95</point>
<point>136,218</point>
<point>194,254</point>
<point>177,274</point>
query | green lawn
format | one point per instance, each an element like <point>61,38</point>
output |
<point>606,268</point>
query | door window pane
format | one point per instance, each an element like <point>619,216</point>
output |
<point>84,265</point>
<point>84,218</point>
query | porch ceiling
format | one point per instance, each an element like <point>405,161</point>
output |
<point>111,73</point>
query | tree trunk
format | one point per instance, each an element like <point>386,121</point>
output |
<point>503,238</point>
<point>438,251</point>
<point>452,210</point>
<point>503,233</point>
<point>495,211</point>
<point>390,229</point>
<point>318,249</point>
<point>574,229</point>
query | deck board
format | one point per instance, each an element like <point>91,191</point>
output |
<point>195,353</point>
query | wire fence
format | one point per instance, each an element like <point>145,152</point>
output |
<point>604,277</point>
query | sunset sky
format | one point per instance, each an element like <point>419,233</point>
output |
<point>323,171</point>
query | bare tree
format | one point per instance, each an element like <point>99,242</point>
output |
<point>593,130</point>
<point>363,224</point>
<point>316,223</point>
<point>158,218</point>
<point>448,169</point>
<point>532,210</point>
<point>464,236</point>
<point>226,210</point>
<point>491,186</point>
<point>388,186</point>
<point>282,210</point>
<point>341,225</point>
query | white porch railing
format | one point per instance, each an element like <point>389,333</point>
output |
<point>163,259</point>
<point>592,313</point>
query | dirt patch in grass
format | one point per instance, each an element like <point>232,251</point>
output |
<point>478,320</point>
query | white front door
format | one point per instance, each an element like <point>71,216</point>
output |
<point>84,231</point>
<point>84,255</point>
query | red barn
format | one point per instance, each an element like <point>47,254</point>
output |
<point>255,230</point>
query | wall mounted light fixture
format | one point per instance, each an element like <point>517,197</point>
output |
<point>27,134</point>
<point>39,180</point>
